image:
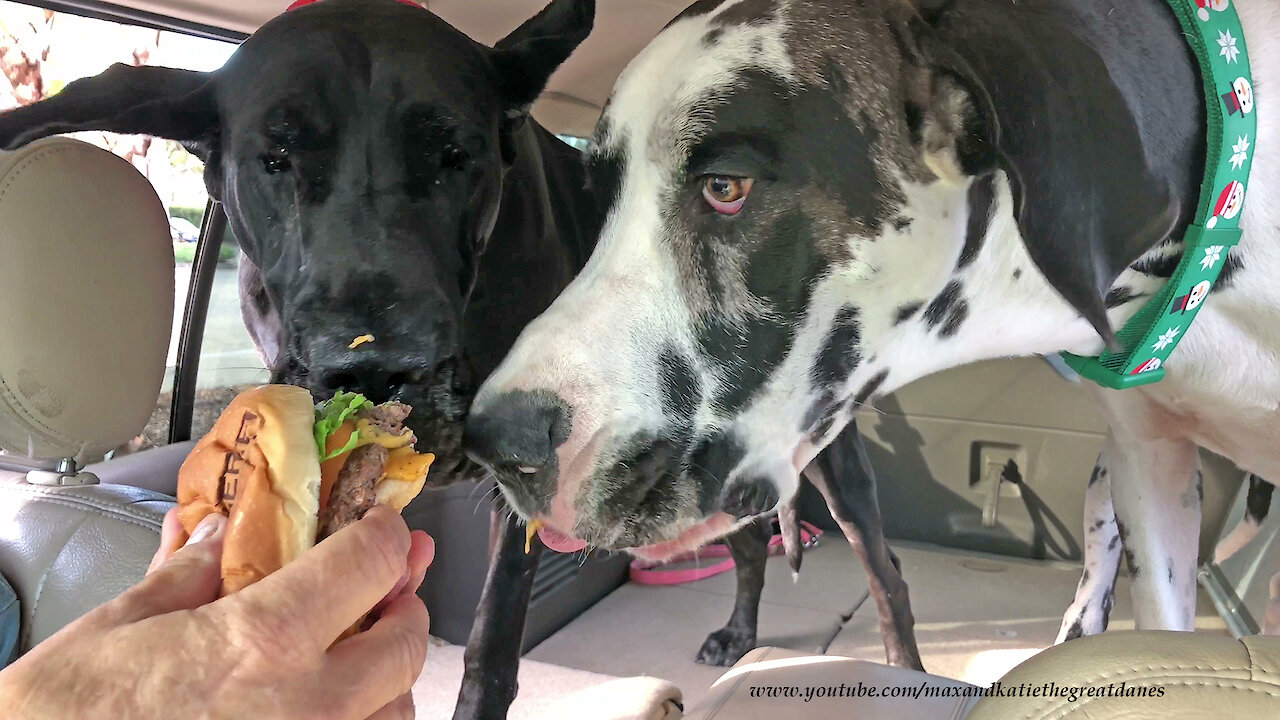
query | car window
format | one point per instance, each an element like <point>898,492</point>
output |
<point>41,52</point>
<point>229,361</point>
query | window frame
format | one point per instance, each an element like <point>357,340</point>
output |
<point>140,18</point>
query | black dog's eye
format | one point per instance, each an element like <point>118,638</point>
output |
<point>276,160</point>
<point>453,157</point>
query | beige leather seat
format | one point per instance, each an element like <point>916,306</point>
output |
<point>1113,676</point>
<point>86,309</point>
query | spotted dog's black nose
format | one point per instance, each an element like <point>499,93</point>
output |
<point>518,429</point>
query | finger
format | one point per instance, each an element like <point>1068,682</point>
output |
<point>168,539</point>
<point>399,709</point>
<point>383,661</point>
<point>187,579</point>
<point>421,554</point>
<point>310,601</point>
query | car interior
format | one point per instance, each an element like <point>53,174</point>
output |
<point>135,348</point>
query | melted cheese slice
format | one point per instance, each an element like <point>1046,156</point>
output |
<point>529,532</point>
<point>371,434</point>
<point>405,464</point>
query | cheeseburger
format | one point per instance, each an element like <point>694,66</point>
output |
<point>287,474</point>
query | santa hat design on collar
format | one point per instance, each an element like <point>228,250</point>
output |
<point>1207,5</point>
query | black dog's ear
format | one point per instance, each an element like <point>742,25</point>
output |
<point>527,57</point>
<point>162,102</point>
<point>261,318</point>
<point>1086,198</point>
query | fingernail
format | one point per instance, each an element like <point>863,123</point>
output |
<point>210,525</point>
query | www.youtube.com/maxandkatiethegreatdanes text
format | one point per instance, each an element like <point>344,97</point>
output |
<point>926,689</point>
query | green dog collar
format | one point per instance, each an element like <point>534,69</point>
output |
<point>1213,29</point>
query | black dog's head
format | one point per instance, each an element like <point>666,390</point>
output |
<point>359,148</point>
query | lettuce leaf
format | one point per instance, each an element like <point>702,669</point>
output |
<point>330,415</point>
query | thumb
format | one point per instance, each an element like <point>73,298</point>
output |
<point>189,578</point>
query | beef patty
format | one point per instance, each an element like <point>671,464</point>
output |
<point>353,492</point>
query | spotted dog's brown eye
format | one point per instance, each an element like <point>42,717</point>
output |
<point>726,195</point>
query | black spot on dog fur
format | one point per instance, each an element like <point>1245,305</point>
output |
<point>1097,473</point>
<point>1122,533</point>
<point>959,313</point>
<point>840,352</point>
<point>901,224</point>
<point>1257,504</point>
<point>1131,563</point>
<point>1120,295</point>
<point>1076,630</point>
<point>1170,572</point>
<point>1161,266</point>
<point>709,462</point>
<point>1097,526</point>
<point>680,387</point>
<point>942,305</point>
<point>870,388</point>
<point>1017,273</point>
<point>778,272</point>
<point>750,497</point>
<point>982,197</point>
<point>819,411</point>
<point>1114,539</point>
<point>905,312</point>
<point>1232,265</point>
<point>712,37</point>
<point>1084,577</point>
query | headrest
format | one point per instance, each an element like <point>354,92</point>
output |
<point>86,300</point>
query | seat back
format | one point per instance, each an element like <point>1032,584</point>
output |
<point>86,311</point>
<point>67,550</point>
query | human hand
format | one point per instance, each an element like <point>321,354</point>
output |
<point>168,648</point>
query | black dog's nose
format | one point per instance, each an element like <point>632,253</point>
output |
<point>518,428</point>
<point>371,377</point>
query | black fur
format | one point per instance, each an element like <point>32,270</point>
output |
<point>1122,168</point>
<point>840,352</point>
<point>944,304</point>
<point>906,312</point>
<point>982,198</point>
<point>1258,499</point>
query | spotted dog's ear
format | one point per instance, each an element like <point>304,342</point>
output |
<point>163,102</point>
<point>1086,198</point>
<point>527,57</point>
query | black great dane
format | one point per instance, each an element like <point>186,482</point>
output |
<point>382,176</point>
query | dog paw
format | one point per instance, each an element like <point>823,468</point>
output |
<point>726,646</point>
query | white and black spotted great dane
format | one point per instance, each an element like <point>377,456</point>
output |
<point>814,203</point>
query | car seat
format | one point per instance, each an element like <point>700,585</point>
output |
<point>86,311</point>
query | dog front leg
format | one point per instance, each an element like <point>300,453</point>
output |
<point>492,657</point>
<point>1090,612</point>
<point>842,473</point>
<point>750,550</point>
<point>1155,487</point>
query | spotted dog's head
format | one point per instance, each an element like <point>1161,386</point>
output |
<point>792,187</point>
